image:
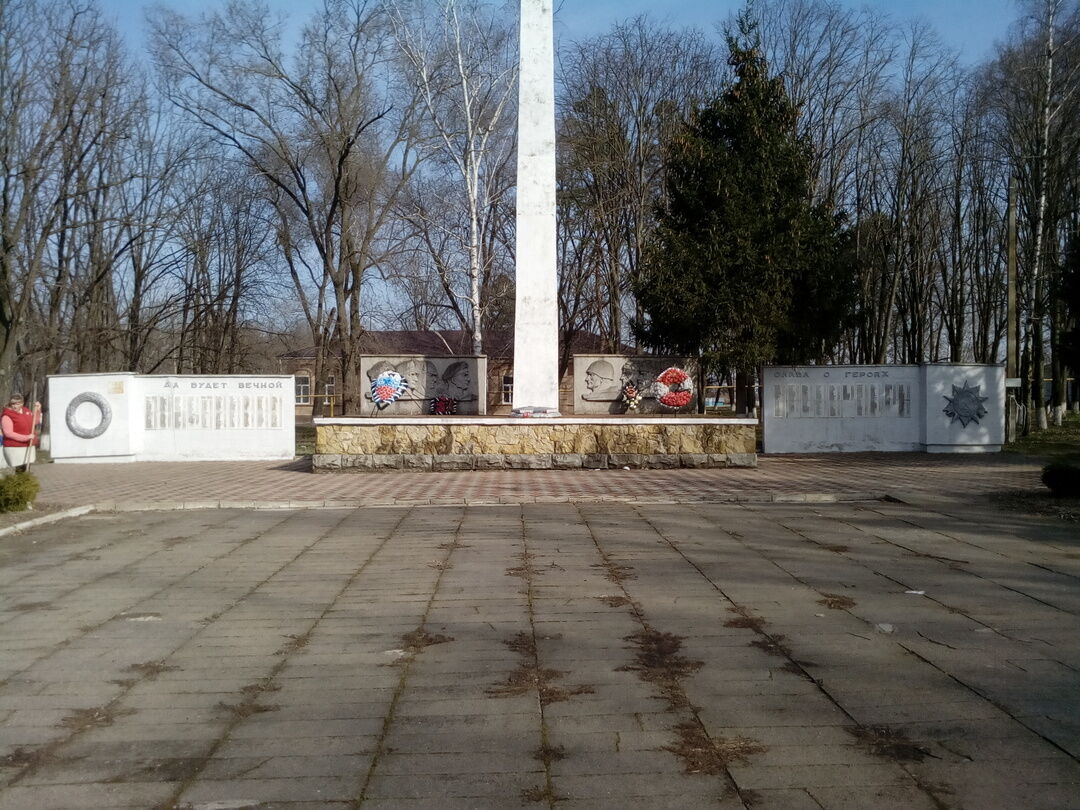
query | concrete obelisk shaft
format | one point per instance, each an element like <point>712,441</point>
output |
<point>536,318</point>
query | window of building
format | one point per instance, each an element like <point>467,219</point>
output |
<point>328,389</point>
<point>303,389</point>
<point>508,389</point>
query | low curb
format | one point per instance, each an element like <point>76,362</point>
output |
<point>389,503</point>
<point>74,511</point>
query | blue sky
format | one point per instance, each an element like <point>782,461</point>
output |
<point>972,26</point>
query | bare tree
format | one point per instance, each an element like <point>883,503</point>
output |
<point>835,63</point>
<point>331,135</point>
<point>60,73</point>
<point>149,210</point>
<point>619,92</point>
<point>1036,84</point>
<point>462,60</point>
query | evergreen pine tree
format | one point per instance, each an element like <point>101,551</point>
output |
<point>744,270</point>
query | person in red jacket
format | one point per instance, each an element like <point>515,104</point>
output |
<point>20,440</point>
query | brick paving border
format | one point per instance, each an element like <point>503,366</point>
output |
<point>69,490</point>
<point>804,478</point>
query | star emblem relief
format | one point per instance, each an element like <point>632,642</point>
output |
<point>965,405</point>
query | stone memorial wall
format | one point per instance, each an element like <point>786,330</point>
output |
<point>599,380</point>
<point>462,379</point>
<point>489,443</point>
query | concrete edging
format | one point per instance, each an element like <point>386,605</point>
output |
<point>75,511</point>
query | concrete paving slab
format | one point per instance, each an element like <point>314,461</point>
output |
<point>636,655</point>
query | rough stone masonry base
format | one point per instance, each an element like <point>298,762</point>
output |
<point>539,445</point>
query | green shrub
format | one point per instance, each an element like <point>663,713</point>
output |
<point>1062,476</point>
<point>18,491</point>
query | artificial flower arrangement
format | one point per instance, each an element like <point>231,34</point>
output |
<point>631,396</point>
<point>443,406</point>
<point>388,388</point>
<point>674,388</point>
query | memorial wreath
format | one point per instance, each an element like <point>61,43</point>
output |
<point>674,388</point>
<point>387,388</point>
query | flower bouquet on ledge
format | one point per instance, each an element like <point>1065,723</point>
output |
<point>443,406</point>
<point>631,397</point>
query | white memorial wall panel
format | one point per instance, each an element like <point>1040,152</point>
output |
<point>820,409</point>
<point>965,408</point>
<point>130,417</point>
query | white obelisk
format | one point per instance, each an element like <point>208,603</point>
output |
<point>536,317</point>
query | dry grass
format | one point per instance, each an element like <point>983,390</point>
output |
<point>616,573</point>
<point>530,677</point>
<point>451,545</point>
<point>526,570</point>
<point>420,639</point>
<point>658,661</point>
<point>888,742</point>
<point>834,601</point>
<point>24,757</point>
<point>150,669</point>
<point>253,690</point>
<point>550,753</point>
<point>745,619</point>
<point>247,708</point>
<point>295,643</point>
<point>540,794</point>
<point>701,754</point>
<point>83,719</point>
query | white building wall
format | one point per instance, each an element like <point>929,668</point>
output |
<point>122,437</point>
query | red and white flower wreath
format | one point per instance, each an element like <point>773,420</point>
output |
<point>674,388</point>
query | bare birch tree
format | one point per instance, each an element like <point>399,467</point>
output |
<point>461,57</point>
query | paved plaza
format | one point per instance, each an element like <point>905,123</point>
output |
<point>915,652</point>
